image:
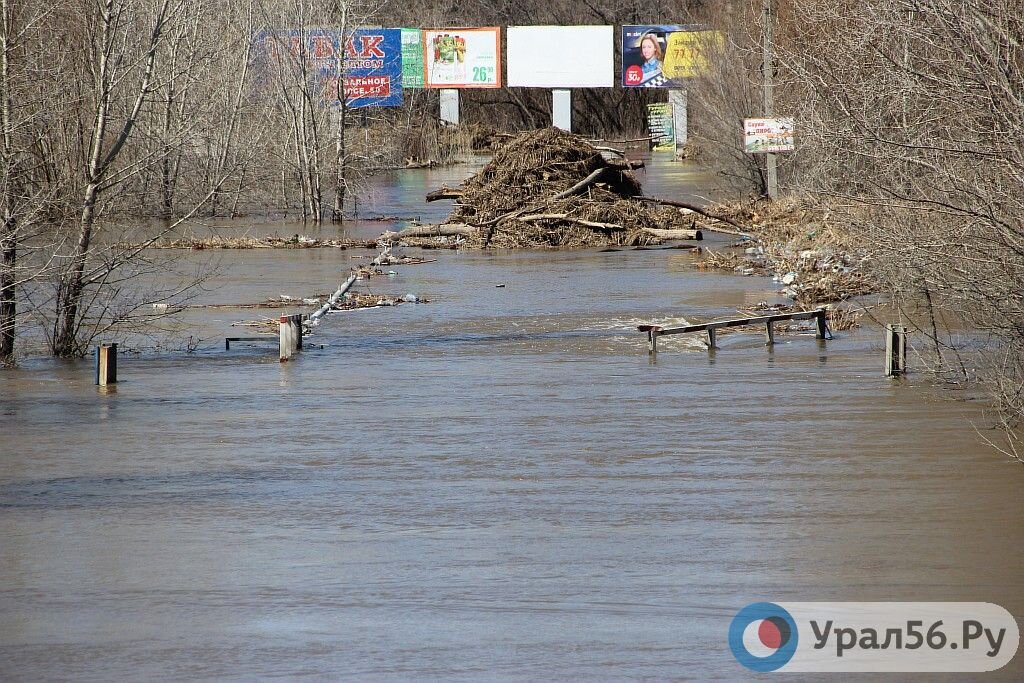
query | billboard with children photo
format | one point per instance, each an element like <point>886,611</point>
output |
<point>462,57</point>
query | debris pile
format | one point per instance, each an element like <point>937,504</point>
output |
<point>552,188</point>
<point>808,257</point>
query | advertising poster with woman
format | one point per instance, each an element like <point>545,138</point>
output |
<point>661,56</point>
<point>462,57</point>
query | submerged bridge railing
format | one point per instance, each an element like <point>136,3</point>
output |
<point>655,331</point>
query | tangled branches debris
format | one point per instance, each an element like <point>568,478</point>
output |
<point>814,261</point>
<point>552,188</point>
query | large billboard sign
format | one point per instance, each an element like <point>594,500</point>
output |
<point>663,56</point>
<point>531,65</point>
<point>462,57</point>
<point>370,63</point>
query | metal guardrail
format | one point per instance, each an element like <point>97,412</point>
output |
<point>655,331</point>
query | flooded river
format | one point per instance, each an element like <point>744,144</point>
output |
<point>498,484</point>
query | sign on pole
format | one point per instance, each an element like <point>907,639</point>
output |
<point>660,125</point>
<point>768,135</point>
<point>462,57</point>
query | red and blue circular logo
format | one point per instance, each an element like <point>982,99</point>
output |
<point>763,636</point>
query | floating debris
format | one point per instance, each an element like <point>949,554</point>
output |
<point>273,242</point>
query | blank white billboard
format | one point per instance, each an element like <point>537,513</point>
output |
<point>561,56</point>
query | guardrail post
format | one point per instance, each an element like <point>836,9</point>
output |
<point>106,364</point>
<point>895,350</point>
<point>287,342</point>
<point>769,333</point>
<point>822,320</point>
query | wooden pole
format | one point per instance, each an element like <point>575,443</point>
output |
<point>769,333</point>
<point>711,338</point>
<point>652,342</point>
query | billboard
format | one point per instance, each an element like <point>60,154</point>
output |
<point>663,56</point>
<point>412,58</point>
<point>462,57</point>
<point>370,62</point>
<point>768,135</point>
<point>530,62</point>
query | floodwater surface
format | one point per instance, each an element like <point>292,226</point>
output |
<point>499,484</point>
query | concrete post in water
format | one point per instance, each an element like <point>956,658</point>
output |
<point>106,364</point>
<point>290,335</point>
<point>895,350</point>
<point>285,337</point>
<point>561,109</point>
<point>450,106</point>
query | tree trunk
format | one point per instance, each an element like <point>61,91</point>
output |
<point>8,303</point>
<point>9,236</point>
<point>65,339</point>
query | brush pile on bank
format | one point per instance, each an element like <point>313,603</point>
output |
<point>812,259</point>
<point>550,188</point>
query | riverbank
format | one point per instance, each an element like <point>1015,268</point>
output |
<point>813,259</point>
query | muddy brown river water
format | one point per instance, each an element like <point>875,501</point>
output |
<point>496,485</point>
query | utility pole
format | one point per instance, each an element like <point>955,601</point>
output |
<point>768,72</point>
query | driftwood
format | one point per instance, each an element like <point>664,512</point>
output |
<point>675,234</point>
<point>696,209</point>
<point>443,230</point>
<point>569,219</point>
<point>625,164</point>
<point>444,193</point>
<point>646,139</point>
<point>581,185</point>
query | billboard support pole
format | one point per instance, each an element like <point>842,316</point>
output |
<point>561,109</point>
<point>767,69</point>
<point>679,121</point>
<point>450,106</point>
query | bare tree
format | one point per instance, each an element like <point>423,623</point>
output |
<point>912,119</point>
